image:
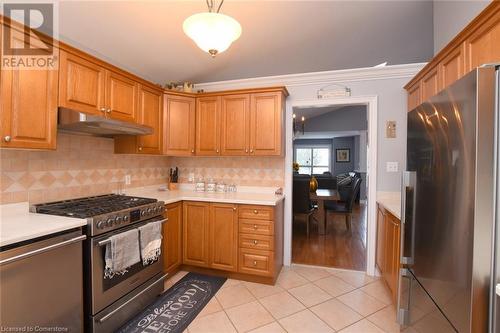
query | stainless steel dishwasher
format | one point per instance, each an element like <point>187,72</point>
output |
<point>41,285</point>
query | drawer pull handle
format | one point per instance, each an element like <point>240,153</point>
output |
<point>255,242</point>
<point>255,226</point>
<point>255,263</point>
<point>255,211</point>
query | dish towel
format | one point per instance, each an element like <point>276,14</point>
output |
<point>150,240</point>
<point>121,253</point>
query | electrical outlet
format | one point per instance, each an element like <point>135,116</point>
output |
<point>127,180</point>
<point>392,167</point>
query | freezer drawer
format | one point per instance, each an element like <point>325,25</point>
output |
<point>417,312</point>
<point>41,284</point>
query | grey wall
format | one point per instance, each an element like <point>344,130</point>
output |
<point>450,17</point>
<point>343,143</point>
<point>348,118</point>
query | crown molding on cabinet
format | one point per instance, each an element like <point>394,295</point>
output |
<point>325,77</point>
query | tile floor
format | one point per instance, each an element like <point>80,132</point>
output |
<point>305,299</point>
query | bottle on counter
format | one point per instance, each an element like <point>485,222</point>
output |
<point>200,185</point>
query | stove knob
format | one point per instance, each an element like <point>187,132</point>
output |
<point>150,210</point>
<point>119,220</point>
<point>143,212</point>
<point>100,225</point>
<point>155,210</point>
<point>125,218</point>
<point>109,222</point>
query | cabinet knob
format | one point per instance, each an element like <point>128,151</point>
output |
<point>108,110</point>
<point>234,208</point>
<point>7,138</point>
<point>192,151</point>
<point>246,150</point>
<point>251,151</point>
<point>217,151</point>
<point>255,242</point>
<point>255,226</point>
<point>255,263</point>
<point>140,148</point>
<point>255,211</point>
<point>103,109</point>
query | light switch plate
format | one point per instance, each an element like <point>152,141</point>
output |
<point>390,129</point>
<point>392,166</point>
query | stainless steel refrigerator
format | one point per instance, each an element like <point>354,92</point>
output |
<point>450,258</point>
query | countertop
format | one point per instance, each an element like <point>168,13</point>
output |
<point>391,201</point>
<point>17,224</point>
<point>245,195</point>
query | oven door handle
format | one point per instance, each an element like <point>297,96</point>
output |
<point>107,241</point>
<point>109,315</point>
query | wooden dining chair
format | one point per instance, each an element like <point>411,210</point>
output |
<point>302,206</point>
<point>345,208</point>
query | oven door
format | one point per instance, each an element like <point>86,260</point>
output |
<point>105,291</point>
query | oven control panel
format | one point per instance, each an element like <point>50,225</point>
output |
<point>111,221</point>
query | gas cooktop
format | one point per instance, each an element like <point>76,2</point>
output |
<point>104,213</point>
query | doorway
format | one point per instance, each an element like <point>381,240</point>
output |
<point>332,154</point>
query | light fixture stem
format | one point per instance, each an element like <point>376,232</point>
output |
<point>220,5</point>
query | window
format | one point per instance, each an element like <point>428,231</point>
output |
<point>312,160</point>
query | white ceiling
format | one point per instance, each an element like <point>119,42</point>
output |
<point>279,37</point>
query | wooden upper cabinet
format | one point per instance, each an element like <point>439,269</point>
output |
<point>28,106</point>
<point>414,96</point>
<point>121,97</point>
<point>150,111</point>
<point>451,68</point>
<point>195,233</point>
<point>266,122</point>
<point>179,125</point>
<point>81,84</point>
<point>483,45</point>
<point>235,128</point>
<point>430,84</point>
<point>172,238</point>
<point>223,231</point>
<point>208,124</point>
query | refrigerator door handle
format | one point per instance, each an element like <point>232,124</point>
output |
<point>408,195</point>
<point>404,295</point>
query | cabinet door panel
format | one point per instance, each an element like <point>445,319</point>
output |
<point>150,109</point>
<point>430,84</point>
<point>224,237</point>
<point>451,68</point>
<point>483,46</point>
<point>208,122</point>
<point>121,97</point>
<point>235,130</point>
<point>81,84</point>
<point>380,239</point>
<point>172,238</point>
<point>28,106</point>
<point>179,125</point>
<point>195,233</point>
<point>266,124</point>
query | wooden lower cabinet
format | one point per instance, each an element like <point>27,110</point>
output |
<point>195,233</point>
<point>220,236</point>
<point>388,248</point>
<point>172,238</point>
<point>223,239</point>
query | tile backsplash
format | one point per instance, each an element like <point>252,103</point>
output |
<point>245,171</point>
<point>81,166</point>
<point>85,165</point>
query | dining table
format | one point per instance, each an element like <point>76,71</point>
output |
<point>320,196</point>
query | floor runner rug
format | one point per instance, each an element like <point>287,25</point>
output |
<point>174,310</point>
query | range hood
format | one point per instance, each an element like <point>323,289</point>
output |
<point>74,121</point>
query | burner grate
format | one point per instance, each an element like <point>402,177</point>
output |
<point>92,206</point>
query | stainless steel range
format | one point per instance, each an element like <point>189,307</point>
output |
<point>110,302</point>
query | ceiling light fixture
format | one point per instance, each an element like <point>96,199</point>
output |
<point>213,32</point>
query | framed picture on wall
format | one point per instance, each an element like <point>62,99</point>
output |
<point>343,155</point>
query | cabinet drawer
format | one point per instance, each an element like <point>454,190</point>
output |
<point>257,242</point>
<point>256,212</point>
<point>256,227</point>
<point>256,262</point>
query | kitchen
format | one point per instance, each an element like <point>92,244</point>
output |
<point>158,146</point>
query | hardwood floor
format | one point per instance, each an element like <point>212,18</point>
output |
<point>338,248</point>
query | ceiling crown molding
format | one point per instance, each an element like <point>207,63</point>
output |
<point>325,77</point>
